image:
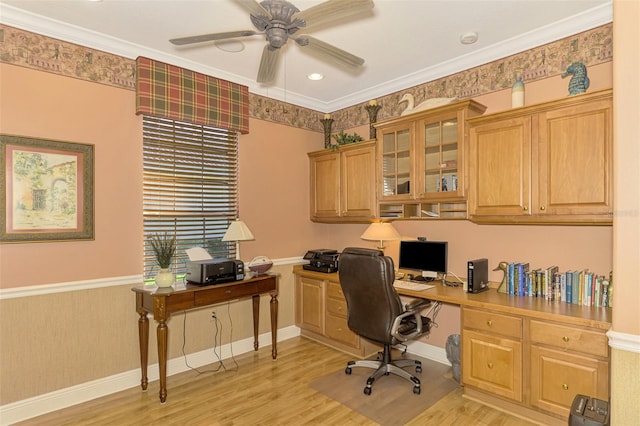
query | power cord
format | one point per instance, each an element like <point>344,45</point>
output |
<point>452,283</point>
<point>216,343</point>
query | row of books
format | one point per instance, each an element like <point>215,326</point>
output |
<point>578,287</point>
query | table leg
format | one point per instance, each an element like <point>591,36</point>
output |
<point>256,320</point>
<point>163,332</point>
<point>274,325</point>
<point>143,336</point>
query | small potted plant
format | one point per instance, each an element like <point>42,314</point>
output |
<point>343,138</point>
<point>164,248</point>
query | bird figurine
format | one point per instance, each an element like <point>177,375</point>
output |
<point>579,82</point>
<point>429,103</point>
<point>502,266</point>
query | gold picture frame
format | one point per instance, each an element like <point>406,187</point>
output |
<point>46,190</point>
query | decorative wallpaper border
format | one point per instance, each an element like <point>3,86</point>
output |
<point>30,50</point>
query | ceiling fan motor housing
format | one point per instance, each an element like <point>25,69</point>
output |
<point>280,26</point>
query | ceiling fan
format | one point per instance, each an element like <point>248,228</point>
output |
<point>279,20</point>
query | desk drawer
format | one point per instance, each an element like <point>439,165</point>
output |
<point>505,325</point>
<point>335,290</point>
<point>569,338</point>
<point>337,329</point>
<point>337,307</point>
<point>222,293</point>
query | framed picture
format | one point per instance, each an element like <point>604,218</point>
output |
<point>46,190</point>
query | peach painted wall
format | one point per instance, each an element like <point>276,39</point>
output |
<point>43,105</point>
<point>274,190</point>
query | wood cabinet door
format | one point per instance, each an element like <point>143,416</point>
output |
<point>575,160</point>
<point>396,161</point>
<point>500,167</point>
<point>324,192</point>
<point>310,306</point>
<point>558,376</point>
<point>358,182</point>
<point>492,364</point>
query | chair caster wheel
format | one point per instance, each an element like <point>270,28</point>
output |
<point>367,391</point>
<point>416,390</point>
<point>347,370</point>
<point>418,369</point>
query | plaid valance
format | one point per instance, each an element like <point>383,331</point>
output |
<point>167,91</point>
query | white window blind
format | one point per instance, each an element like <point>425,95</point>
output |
<point>190,187</point>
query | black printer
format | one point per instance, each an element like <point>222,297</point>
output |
<point>322,260</point>
<point>214,271</point>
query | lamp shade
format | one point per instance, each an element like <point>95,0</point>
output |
<point>380,231</point>
<point>238,231</point>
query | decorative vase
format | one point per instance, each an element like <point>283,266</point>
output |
<point>517,93</point>
<point>165,278</point>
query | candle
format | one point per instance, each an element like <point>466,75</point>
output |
<point>327,116</point>
<point>373,102</point>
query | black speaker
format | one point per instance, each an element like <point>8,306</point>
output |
<point>477,275</point>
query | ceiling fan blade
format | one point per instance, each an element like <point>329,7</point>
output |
<point>332,10</point>
<point>268,64</point>
<point>328,50</point>
<point>210,37</point>
<point>254,8</point>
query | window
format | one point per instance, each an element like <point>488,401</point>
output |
<point>190,188</point>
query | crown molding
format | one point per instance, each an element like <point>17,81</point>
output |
<point>587,20</point>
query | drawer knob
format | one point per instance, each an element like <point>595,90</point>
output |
<point>340,329</point>
<point>490,365</point>
<point>526,209</point>
<point>565,339</point>
<point>489,323</point>
<point>542,208</point>
<point>565,386</point>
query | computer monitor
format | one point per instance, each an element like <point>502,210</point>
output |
<point>428,257</point>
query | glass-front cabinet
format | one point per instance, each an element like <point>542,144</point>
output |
<point>440,152</point>
<point>397,162</point>
<point>421,163</point>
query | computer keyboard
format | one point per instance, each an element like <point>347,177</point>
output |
<point>412,285</point>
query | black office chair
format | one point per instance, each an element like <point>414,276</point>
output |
<point>375,312</point>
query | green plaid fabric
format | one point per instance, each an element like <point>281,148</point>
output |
<point>168,91</point>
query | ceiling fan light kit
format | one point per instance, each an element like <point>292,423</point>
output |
<point>278,20</point>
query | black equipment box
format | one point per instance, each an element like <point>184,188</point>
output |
<point>586,411</point>
<point>322,260</point>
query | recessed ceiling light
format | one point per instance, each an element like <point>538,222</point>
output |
<point>469,38</point>
<point>233,46</point>
<point>315,76</point>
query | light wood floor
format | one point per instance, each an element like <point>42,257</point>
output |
<point>260,392</point>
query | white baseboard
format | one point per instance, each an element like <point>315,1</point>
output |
<point>57,400</point>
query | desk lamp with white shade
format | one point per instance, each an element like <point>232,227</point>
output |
<point>239,231</point>
<point>380,231</point>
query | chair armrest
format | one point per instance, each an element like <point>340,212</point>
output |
<point>395,328</point>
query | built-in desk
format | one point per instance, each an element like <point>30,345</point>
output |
<point>523,355</point>
<point>161,302</point>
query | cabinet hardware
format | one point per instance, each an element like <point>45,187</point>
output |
<point>489,323</point>
<point>565,386</point>
<point>490,365</point>
<point>542,208</point>
<point>526,209</point>
<point>565,339</point>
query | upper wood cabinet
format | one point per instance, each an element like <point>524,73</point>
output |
<point>422,158</point>
<point>548,163</point>
<point>343,183</point>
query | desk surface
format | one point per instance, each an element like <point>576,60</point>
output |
<point>533,307</point>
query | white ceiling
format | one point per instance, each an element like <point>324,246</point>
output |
<point>404,42</point>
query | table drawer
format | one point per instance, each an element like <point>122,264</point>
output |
<point>492,322</point>
<point>222,293</point>
<point>569,338</point>
<point>337,329</point>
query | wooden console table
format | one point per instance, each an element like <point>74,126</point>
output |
<point>161,302</point>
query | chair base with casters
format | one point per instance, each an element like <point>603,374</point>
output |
<point>388,366</point>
